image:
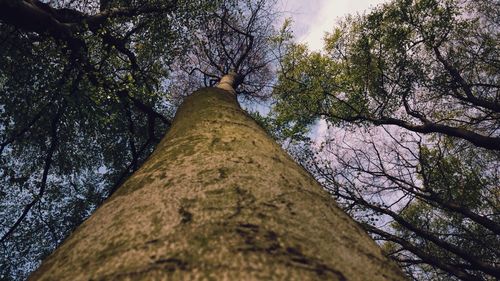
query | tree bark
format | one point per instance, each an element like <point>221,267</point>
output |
<point>218,200</point>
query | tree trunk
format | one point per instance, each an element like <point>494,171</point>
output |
<point>218,200</point>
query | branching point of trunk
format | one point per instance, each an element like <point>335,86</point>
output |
<point>230,82</point>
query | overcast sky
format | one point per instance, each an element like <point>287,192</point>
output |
<point>312,18</point>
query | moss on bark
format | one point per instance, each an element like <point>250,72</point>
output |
<point>218,200</point>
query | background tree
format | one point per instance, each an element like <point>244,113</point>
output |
<point>425,74</point>
<point>83,103</point>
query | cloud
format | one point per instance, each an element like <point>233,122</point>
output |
<point>313,18</point>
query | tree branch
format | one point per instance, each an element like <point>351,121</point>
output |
<point>421,254</point>
<point>43,182</point>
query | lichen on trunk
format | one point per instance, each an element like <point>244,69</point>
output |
<point>218,200</point>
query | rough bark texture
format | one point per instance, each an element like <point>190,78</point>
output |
<point>218,200</point>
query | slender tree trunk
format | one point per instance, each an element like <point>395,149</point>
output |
<point>218,200</point>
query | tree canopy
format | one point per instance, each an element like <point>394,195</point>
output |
<point>410,92</point>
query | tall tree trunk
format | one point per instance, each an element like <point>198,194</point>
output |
<point>218,200</point>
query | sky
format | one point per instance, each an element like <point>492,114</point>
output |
<point>312,18</point>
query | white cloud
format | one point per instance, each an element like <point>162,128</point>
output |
<point>313,18</point>
<point>319,132</point>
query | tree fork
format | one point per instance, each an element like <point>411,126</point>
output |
<point>218,200</point>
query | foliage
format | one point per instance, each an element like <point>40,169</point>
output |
<point>83,102</point>
<point>411,90</point>
<point>428,67</point>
